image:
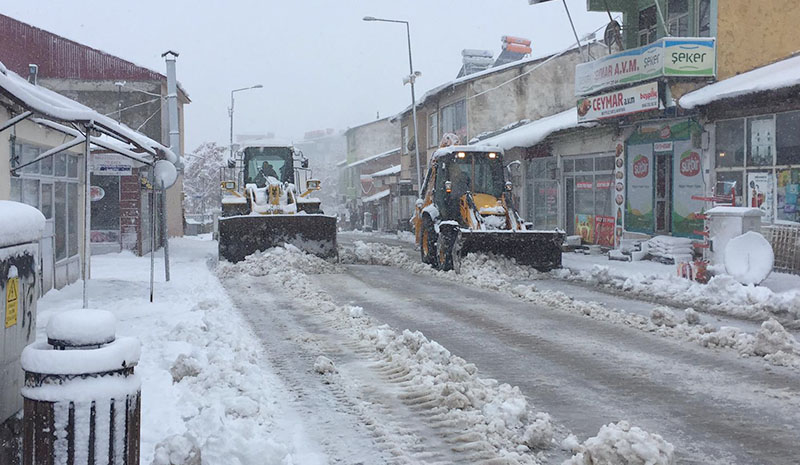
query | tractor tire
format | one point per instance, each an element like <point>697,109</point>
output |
<point>428,241</point>
<point>448,249</point>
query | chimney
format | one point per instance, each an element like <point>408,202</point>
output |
<point>172,103</point>
<point>33,74</point>
<point>474,61</point>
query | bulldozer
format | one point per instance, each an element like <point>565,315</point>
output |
<point>466,206</point>
<point>262,207</point>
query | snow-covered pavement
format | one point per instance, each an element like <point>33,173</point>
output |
<point>205,380</point>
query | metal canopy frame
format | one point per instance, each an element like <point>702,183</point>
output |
<point>53,121</point>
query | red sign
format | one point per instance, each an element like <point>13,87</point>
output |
<point>641,166</point>
<point>604,230</point>
<point>690,164</point>
<point>584,184</point>
<point>603,184</point>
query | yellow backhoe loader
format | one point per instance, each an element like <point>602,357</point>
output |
<point>466,206</point>
<point>262,207</point>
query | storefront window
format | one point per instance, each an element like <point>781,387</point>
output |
<point>72,166</point>
<point>47,200</point>
<point>61,220</point>
<point>543,193</point>
<point>788,195</point>
<point>584,164</point>
<point>704,18</point>
<point>29,153</point>
<point>61,164</point>
<point>730,143</point>
<point>787,140</point>
<point>647,26</point>
<point>760,137</point>
<point>72,218</point>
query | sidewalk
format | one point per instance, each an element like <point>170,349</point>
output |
<point>203,376</point>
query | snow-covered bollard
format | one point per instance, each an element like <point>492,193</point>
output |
<point>81,395</point>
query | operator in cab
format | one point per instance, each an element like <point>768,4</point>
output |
<point>265,172</point>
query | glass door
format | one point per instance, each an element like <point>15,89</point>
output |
<point>663,193</point>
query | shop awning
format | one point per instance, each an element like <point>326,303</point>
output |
<point>375,157</point>
<point>780,75</point>
<point>376,197</point>
<point>533,132</point>
<point>387,172</point>
<point>37,100</point>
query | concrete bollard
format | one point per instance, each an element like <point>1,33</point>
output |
<point>81,395</point>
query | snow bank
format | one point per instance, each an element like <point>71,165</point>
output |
<point>623,444</point>
<point>723,294</point>
<point>40,357</point>
<point>503,274</point>
<point>19,223</point>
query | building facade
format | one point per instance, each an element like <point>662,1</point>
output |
<point>132,95</point>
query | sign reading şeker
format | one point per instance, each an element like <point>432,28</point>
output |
<point>622,102</point>
<point>674,56</point>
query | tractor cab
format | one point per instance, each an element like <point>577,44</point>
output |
<point>262,163</point>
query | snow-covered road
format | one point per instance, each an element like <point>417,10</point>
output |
<point>714,406</point>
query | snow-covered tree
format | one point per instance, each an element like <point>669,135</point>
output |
<point>201,180</point>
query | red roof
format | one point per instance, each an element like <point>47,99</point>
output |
<point>59,57</point>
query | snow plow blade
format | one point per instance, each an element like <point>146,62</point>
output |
<point>240,236</point>
<point>539,249</point>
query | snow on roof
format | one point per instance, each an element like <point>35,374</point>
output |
<point>264,143</point>
<point>375,157</point>
<point>387,172</point>
<point>533,132</point>
<point>785,73</point>
<point>19,223</point>
<point>375,197</point>
<point>54,105</point>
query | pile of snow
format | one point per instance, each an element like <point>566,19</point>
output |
<point>19,223</point>
<point>179,449</point>
<point>723,294</point>
<point>82,327</point>
<point>623,444</point>
<point>749,258</point>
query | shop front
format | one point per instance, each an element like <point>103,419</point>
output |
<point>761,155</point>
<point>663,172</point>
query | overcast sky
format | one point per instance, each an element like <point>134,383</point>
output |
<point>320,64</point>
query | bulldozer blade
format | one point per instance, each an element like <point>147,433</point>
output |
<point>539,249</point>
<point>240,236</point>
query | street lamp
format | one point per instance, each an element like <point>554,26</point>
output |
<point>230,110</point>
<point>412,76</point>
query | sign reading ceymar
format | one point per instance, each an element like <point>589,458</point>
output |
<point>673,56</point>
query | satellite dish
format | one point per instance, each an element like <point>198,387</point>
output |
<point>166,174</point>
<point>612,35</point>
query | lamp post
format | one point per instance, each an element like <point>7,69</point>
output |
<point>412,76</point>
<point>230,110</point>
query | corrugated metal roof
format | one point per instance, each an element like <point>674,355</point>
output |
<point>59,57</point>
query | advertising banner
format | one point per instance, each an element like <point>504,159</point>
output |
<point>622,102</point>
<point>674,56</point>
<point>759,194</point>
<point>110,164</point>
<point>639,199</point>
<point>687,180</point>
<point>584,226</point>
<point>604,230</point>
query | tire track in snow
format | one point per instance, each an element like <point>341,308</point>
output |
<point>371,396</point>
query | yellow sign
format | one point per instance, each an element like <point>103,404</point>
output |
<point>12,301</point>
